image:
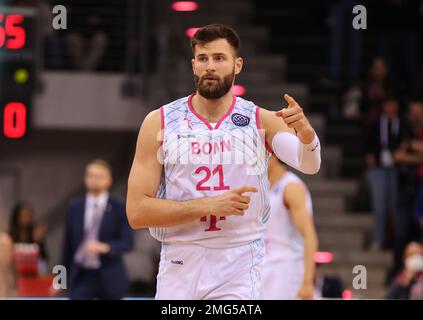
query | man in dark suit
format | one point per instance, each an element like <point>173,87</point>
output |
<point>97,234</point>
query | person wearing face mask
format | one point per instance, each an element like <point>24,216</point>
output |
<point>408,285</point>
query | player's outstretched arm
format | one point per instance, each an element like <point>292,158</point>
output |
<point>295,199</point>
<point>292,138</point>
<point>145,210</point>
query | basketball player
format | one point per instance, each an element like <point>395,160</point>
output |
<point>290,238</point>
<point>199,176</point>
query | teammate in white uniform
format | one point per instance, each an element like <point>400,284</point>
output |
<point>290,238</point>
<point>199,176</point>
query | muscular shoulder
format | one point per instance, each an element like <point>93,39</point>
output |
<point>265,115</point>
<point>295,194</point>
<point>272,124</point>
<point>151,125</point>
<point>150,135</point>
<point>153,117</point>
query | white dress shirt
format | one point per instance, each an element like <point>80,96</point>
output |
<point>91,200</point>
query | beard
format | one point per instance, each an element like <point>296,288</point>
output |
<point>214,90</point>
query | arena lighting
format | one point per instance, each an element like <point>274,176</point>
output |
<point>238,90</point>
<point>346,294</point>
<point>190,32</point>
<point>323,257</point>
<point>184,6</point>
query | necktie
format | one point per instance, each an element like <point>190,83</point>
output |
<point>90,234</point>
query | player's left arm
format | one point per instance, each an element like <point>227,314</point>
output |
<point>292,137</point>
<point>295,199</point>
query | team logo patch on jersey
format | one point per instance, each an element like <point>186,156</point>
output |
<point>240,120</point>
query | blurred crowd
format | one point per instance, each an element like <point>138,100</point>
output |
<point>387,99</point>
<point>96,237</point>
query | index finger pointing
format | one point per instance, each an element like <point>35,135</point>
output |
<point>291,101</point>
<point>245,189</point>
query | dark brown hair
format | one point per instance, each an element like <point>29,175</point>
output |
<point>214,32</point>
<point>14,229</point>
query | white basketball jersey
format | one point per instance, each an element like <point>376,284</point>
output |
<point>282,239</point>
<point>200,160</point>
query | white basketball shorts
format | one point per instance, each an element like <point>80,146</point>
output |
<point>192,272</point>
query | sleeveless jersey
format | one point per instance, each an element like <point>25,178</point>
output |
<point>200,160</point>
<point>282,239</point>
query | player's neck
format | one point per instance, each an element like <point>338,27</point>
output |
<point>212,109</point>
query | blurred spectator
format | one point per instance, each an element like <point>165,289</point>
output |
<point>409,283</point>
<point>24,229</point>
<point>415,155</point>
<point>7,270</point>
<point>377,85</point>
<point>97,234</point>
<point>407,160</point>
<point>382,141</point>
<point>87,40</point>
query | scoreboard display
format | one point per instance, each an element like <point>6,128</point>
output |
<point>18,58</point>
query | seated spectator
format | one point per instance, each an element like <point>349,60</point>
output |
<point>24,229</point>
<point>7,270</point>
<point>409,282</point>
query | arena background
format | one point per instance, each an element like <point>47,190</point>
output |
<point>85,105</point>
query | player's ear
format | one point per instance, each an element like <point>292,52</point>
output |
<point>192,64</point>
<point>239,62</point>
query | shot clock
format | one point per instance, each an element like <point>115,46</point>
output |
<point>18,59</point>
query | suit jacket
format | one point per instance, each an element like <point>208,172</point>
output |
<point>373,140</point>
<point>114,230</point>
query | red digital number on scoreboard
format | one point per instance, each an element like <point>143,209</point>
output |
<point>14,120</point>
<point>12,35</point>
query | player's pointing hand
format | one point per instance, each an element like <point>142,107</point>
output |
<point>232,202</point>
<point>294,117</point>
